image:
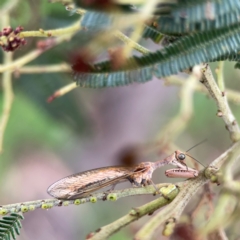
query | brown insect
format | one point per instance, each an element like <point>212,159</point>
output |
<point>82,184</point>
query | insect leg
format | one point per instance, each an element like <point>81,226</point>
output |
<point>181,173</point>
<point>150,182</point>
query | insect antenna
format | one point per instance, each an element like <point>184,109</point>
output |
<point>194,159</point>
<point>196,145</point>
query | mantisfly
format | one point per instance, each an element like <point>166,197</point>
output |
<point>84,183</point>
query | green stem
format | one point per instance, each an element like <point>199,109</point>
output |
<point>49,203</point>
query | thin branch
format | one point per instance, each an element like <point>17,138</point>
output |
<point>60,67</point>
<point>106,231</point>
<point>220,98</point>
<point>131,43</point>
<point>233,96</point>
<point>75,27</point>
<point>120,23</point>
<point>147,10</point>
<point>220,77</point>
<point>173,210</point>
<point>219,234</point>
<point>31,55</point>
<point>62,91</point>
<point>7,89</point>
<point>206,198</point>
<point>223,213</point>
<point>49,203</point>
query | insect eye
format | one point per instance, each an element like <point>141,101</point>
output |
<point>181,156</point>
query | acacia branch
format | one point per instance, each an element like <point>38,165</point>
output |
<point>70,30</point>
<point>227,201</point>
<point>49,203</point>
<point>175,208</point>
<point>106,231</point>
<point>220,98</point>
<point>220,78</point>
<point>131,43</point>
<point>14,65</point>
<point>232,95</point>
<point>62,91</point>
<point>60,67</point>
<point>7,88</point>
<point>187,190</point>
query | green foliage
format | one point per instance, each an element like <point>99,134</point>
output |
<point>10,226</point>
<point>207,31</point>
<point>188,16</point>
<point>237,65</point>
<point>152,33</point>
<point>184,53</point>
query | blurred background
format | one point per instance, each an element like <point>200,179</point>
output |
<point>89,128</point>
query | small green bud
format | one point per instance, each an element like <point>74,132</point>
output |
<point>77,202</point>
<point>214,179</point>
<point>44,206</point>
<point>112,197</point>
<point>24,208</point>
<point>132,212</point>
<point>169,227</point>
<point>3,211</point>
<point>93,199</point>
<point>167,232</point>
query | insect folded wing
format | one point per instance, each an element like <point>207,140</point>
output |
<point>86,192</point>
<point>82,184</point>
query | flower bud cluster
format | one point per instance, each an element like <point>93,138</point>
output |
<point>10,39</point>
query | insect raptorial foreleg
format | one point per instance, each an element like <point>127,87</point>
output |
<point>181,173</point>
